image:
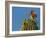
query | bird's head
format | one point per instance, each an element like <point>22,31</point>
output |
<point>33,14</point>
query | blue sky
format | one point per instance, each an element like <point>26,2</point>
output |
<point>20,13</point>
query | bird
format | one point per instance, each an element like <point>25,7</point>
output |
<point>30,24</point>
